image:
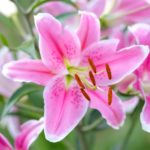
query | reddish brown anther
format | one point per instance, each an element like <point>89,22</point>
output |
<point>79,81</point>
<point>92,65</point>
<point>85,94</point>
<point>92,78</point>
<point>109,96</point>
<point>108,70</point>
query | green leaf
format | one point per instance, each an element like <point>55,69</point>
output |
<point>66,15</point>
<point>8,30</point>
<point>40,2</point>
<point>29,48</point>
<point>42,143</point>
<point>3,40</point>
<point>22,91</point>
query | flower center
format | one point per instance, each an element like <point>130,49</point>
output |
<point>85,78</point>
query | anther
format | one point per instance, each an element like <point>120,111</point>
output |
<point>109,74</point>
<point>92,78</point>
<point>79,81</point>
<point>92,65</point>
<point>85,94</point>
<point>109,96</point>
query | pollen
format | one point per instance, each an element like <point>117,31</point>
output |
<point>92,65</point>
<point>92,78</point>
<point>77,78</point>
<point>85,94</point>
<point>108,70</point>
<point>109,96</point>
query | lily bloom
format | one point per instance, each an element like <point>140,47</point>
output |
<point>7,86</point>
<point>141,32</point>
<point>128,11</point>
<point>140,80</point>
<point>57,8</point>
<point>29,132</point>
<point>77,70</point>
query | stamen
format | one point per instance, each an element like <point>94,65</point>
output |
<point>109,96</point>
<point>92,65</point>
<point>108,70</point>
<point>92,78</point>
<point>79,81</point>
<point>85,94</point>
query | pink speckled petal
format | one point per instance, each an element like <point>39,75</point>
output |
<point>64,108</point>
<point>56,42</point>
<point>121,62</point>
<point>28,71</point>
<point>89,29</point>
<point>113,113</point>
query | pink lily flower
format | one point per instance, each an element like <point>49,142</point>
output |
<point>7,86</point>
<point>57,8</point>
<point>141,32</point>
<point>4,144</point>
<point>129,11</point>
<point>29,132</point>
<point>77,70</point>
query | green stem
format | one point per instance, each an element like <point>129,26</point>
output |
<point>28,24</point>
<point>29,108</point>
<point>92,126</point>
<point>37,4</point>
<point>134,119</point>
<point>83,142</point>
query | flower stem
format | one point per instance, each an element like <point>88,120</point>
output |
<point>28,24</point>
<point>92,125</point>
<point>134,119</point>
<point>83,141</point>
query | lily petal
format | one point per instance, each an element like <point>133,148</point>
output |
<point>89,29</point>
<point>4,143</point>
<point>141,33</point>
<point>134,12</point>
<point>96,6</point>
<point>28,71</point>
<point>113,113</point>
<point>29,132</point>
<point>57,8</point>
<point>145,115</point>
<point>64,108</point>
<point>56,42</point>
<point>128,81</point>
<point>122,62</point>
<point>130,105</point>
